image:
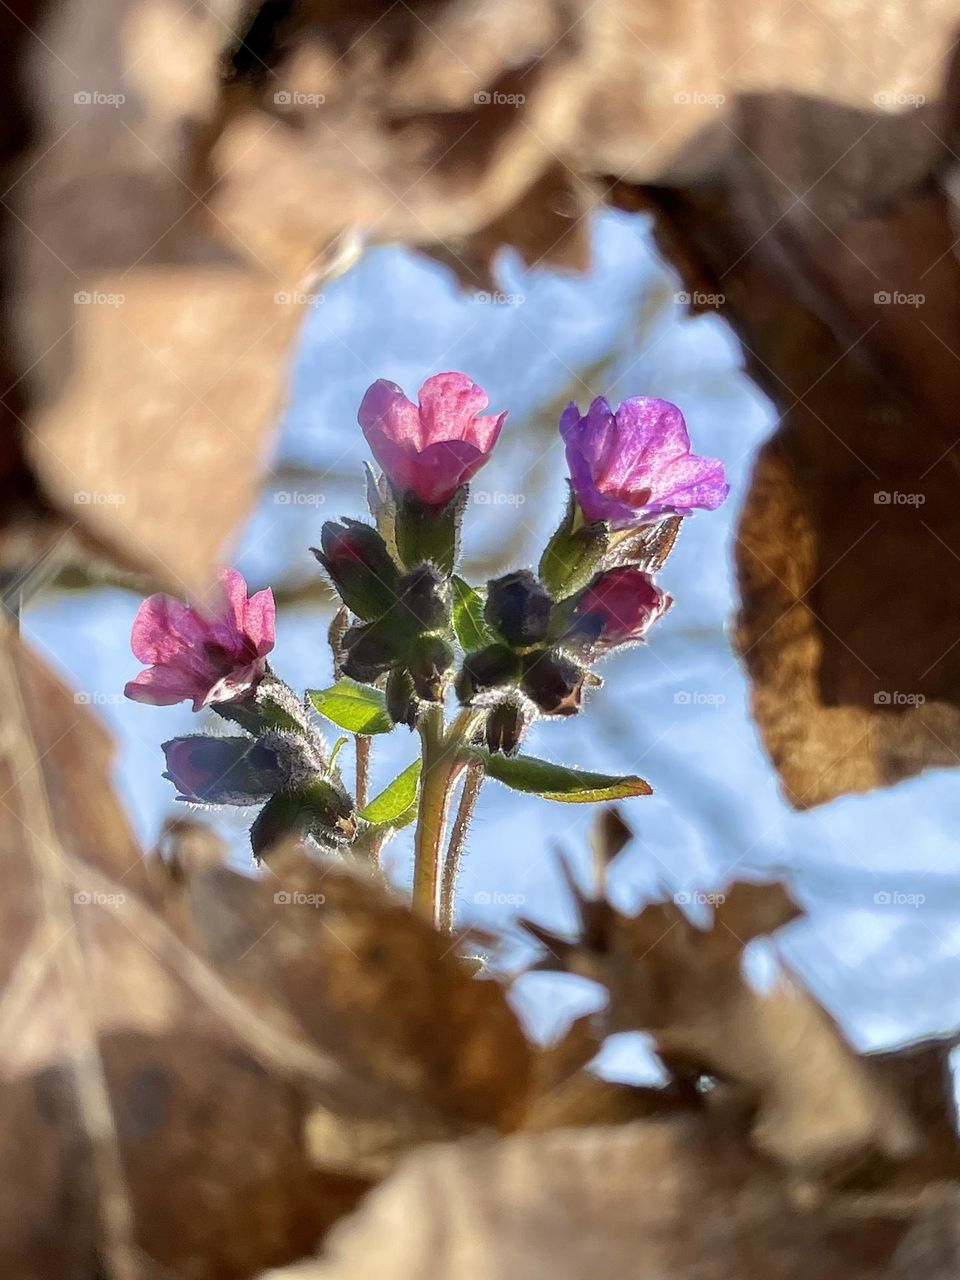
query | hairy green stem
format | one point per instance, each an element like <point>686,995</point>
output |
<point>431,813</point>
<point>362,744</point>
<point>458,841</point>
<point>441,765</point>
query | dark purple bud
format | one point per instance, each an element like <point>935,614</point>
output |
<point>430,659</point>
<point>319,809</point>
<point>370,650</point>
<point>401,696</point>
<point>518,607</point>
<point>553,682</point>
<point>360,567</point>
<point>422,600</point>
<point>209,770</point>
<point>506,725</point>
<point>488,668</point>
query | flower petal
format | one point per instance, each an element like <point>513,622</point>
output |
<point>486,431</point>
<point>162,687</point>
<point>443,467</point>
<point>236,684</point>
<point>260,621</point>
<point>635,465</point>
<point>569,420</point>
<point>232,601</point>
<point>164,628</point>
<point>692,482</point>
<point>385,414</point>
<point>653,426</point>
<point>449,405</point>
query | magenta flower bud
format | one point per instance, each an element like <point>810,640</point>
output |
<point>618,606</point>
<point>207,655</point>
<point>635,465</point>
<point>360,567</point>
<point>434,447</point>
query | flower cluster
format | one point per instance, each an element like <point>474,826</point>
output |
<point>522,646</point>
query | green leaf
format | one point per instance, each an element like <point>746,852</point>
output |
<point>468,620</point>
<point>556,781</point>
<point>396,805</point>
<point>358,708</point>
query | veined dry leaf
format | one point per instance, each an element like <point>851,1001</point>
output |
<point>371,984</point>
<point>818,1106</point>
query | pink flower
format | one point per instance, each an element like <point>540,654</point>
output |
<point>617,607</point>
<point>433,447</point>
<point>635,465</point>
<point>210,656</point>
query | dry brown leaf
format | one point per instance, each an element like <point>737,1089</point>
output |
<point>676,1197</point>
<point>370,983</point>
<point>154,1089</point>
<point>852,503</point>
<point>818,1106</point>
<point>454,126</point>
<point>188,1046</point>
<point>922,1077</point>
<point>142,381</point>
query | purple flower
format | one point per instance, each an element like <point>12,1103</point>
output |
<point>618,606</point>
<point>217,655</point>
<point>635,465</point>
<point>436,446</point>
